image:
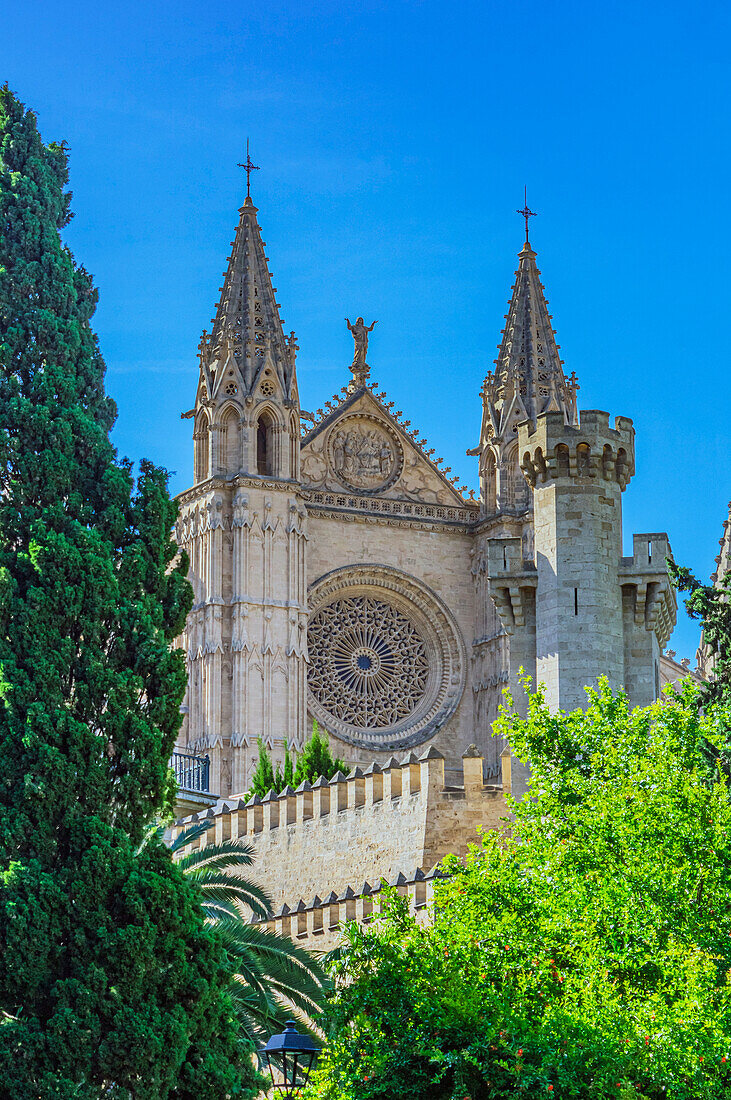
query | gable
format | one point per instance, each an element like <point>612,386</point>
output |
<point>362,448</point>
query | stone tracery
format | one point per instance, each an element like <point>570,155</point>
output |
<point>369,662</point>
<point>387,662</point>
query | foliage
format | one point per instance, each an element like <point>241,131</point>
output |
<point>710,604</point>
<point>314,761</point>
<point>583,954</point>
<point>275,978</point>
<point>111,984</point>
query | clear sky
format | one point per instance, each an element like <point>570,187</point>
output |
<point>395,139</point>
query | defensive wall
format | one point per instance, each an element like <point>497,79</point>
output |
<point>323,850</point>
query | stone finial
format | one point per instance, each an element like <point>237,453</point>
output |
<point>471,750</point>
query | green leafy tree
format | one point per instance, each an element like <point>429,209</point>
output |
<point>710,604</point>
<point>585,952</point>
<point>284,776</point>
<point>275,978</point>
<point>111,984</point>
<point>314,761</point>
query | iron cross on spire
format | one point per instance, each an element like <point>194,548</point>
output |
<point>526,212</point>
<point>248,167</point>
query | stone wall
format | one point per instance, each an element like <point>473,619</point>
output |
<point>364,827</point>
<point>439,559</point>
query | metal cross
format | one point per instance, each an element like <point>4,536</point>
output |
<point>248,167</point>
<point>526,213</point>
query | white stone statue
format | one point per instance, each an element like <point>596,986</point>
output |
<point>360,336</point>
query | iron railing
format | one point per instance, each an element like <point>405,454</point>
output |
<point>191,772</point>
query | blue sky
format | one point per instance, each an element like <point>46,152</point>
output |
<point>395,140</point>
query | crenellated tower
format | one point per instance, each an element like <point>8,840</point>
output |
<point>528,380</point>
<point>243,524</point>
<point>571,607</point>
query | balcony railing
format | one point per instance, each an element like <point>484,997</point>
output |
<point>191,772</point>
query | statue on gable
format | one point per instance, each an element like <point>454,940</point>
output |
<point>360,333</point>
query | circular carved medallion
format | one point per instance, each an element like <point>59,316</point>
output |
<point>386,659</point>
<point>364,453</point>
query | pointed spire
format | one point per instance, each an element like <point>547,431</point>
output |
<point>529,377</point>
<point>528,380</point>
<point>247,336</point>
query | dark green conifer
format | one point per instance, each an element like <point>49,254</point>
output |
<point>110,984</point>
<point>263,780</point>
<point>316,760</point>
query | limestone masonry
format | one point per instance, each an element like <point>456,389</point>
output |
<point>341,575</point>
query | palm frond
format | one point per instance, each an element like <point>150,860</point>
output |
<point>233,889</point>
<point>229,853</point>
<point>191,833</point>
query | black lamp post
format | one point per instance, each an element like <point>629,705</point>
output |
<point>290,1058</point>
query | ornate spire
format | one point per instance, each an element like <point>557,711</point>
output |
<point>247,336</point>
<point>529,377</point>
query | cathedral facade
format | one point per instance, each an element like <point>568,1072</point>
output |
<point>341,575</point>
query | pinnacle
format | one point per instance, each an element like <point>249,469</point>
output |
<point>529,377</point>
<point>247,338</point>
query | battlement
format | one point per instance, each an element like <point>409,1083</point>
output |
<point>365,826</point>
<point>317,924</point>
<point>646,588</point>
<point>554,450</point>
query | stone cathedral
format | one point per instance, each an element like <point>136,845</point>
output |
<point>341,575</point>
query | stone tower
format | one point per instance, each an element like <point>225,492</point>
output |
<point>572,607</point>
<point>243,525</point>
<point>528,380</point>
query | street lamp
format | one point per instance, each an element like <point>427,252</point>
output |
<point>290,1058</point>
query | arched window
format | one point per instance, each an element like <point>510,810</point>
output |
<point>230,450</point>
<point>583,460</point>
<point>563,460</point>
<point>489,483</point>
<point>265,445</point>
<point>513,486</point>
<point>293,447</point>
<point>201,448</point>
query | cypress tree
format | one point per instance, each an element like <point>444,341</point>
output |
<point>111,985</point>
<point>316,760</point>
<point>262,781</point>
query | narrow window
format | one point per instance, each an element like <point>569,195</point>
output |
<point>649,552</point>
<point>576,601</point>
<point>264,446</point>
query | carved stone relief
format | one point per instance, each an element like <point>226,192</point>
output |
<point>363,453</point>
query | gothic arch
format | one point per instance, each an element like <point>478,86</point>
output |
<point>230,439</point>
<point>513,486</point>
<point>489,483</point>
<point>202,446</point>
<point>265,442</point>
<point>294,446</point>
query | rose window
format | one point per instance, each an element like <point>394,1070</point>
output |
<point>369,667</point>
